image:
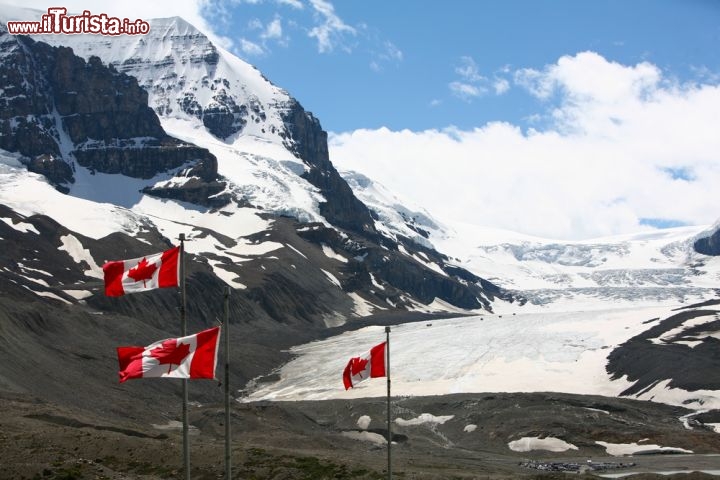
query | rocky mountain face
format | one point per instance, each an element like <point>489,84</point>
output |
<point>680,350</point>
<point>59,109</point>
<point>189,79</point>
<point>709,243</point>
<point>308,141</point>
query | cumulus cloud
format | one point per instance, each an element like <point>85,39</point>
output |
<point>624,147</point>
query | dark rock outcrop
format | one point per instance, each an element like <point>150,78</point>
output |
<point>401,274</point>
<point>709,245</point>
<point>153,157</point>
<point>194,190</point>
<point>54,169</point>
<point>59,108</point>
<point>308,141</point>
<point>653,356</point>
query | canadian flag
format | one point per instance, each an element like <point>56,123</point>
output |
<point>140,274</point>
<point>370,365</point>
<point>194,356</point>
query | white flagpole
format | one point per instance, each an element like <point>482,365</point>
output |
<point>183,321</point>
<point>389,426</point>
<point>228,465</point>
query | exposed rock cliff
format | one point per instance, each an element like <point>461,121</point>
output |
<point>59,109</point>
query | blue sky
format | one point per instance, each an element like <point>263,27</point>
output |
<point>566,119</point>
<point>422,64</point>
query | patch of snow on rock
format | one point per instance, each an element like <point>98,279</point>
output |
<point>366,437</point>
<point>551,444</point>
<point>363,422</point>
<point>620,449</point>
<point>424,418</point>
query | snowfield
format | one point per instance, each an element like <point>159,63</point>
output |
<point>523,352</point>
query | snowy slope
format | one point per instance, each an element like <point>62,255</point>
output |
<point>201,92</point>
<point>648,268</point>
<point>171,64</point>
<point>396,216</point>
<point>527,352</point>
<point>29,194</point>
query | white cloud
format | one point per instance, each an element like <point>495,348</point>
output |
<point>388,54</point>
<point>250,48</point>
<point>606,162</point>
<point>501,86</point>
<point>468,70</point>
<point>273,30</point>
<point>392,52</point>
<point>292,3</point>
<point>330,32</point>
<point>472,84</point>
<point>465,91</point>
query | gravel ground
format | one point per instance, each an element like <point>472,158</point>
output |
<point>314,440</point>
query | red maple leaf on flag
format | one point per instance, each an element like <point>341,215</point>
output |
<point>143,271</point>
<point>170,353</point>
<point>358,365</point>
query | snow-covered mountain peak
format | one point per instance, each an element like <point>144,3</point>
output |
<point>187,77</point>
<point>395,215</point>
<point>264,142</point>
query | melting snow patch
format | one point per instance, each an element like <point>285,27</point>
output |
<point>620,449</point>
<point>596,410</point>
<point>470,428</point>
<point>175,425</point>
<point>375,283</point>
<point>332,278</point>
<point>366,436</point>
<point>296,250</point>
<point>550,444</point>
<point>78,294</point>
<point>424,418</point>
<point>78,253</point>
<point>363,422</point>
<point>20,226</point>
<point>668,336</point>
<point>714,426</point>
<point>43,272</point>
<point>254,249</point>
<point>51,295</point>
<point>362,307</point>
<point>330,253</point>
<point>37,280</point>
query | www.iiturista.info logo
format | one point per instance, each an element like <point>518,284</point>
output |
<point>57,21</point>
